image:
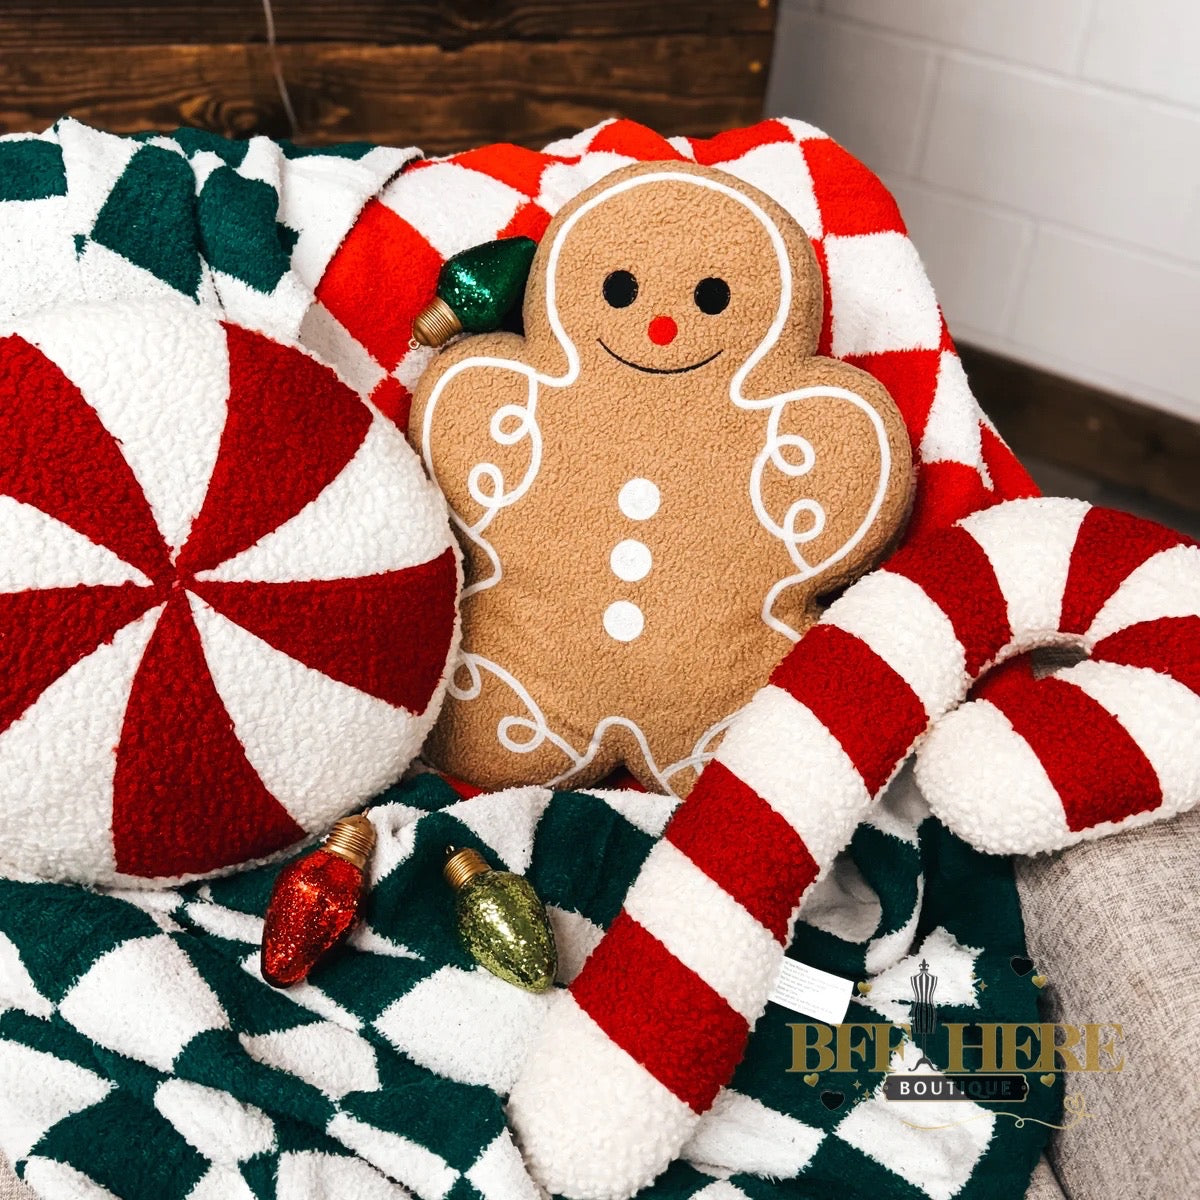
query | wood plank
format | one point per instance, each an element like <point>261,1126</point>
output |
<point>1102,435</point>
<point>30,24</point>
<point>400,95</point>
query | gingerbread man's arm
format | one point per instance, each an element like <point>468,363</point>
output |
<point>834,482</point>
<point>474,424</point>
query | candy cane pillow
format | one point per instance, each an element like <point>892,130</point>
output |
<point>227,596</point>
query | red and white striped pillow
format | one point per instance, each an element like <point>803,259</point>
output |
<point>227,596</point>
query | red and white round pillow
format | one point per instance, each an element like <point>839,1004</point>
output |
<point>228,596</point>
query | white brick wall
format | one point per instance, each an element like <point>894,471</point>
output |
<point>1046,155</point>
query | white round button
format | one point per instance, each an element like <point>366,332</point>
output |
<point>623,621</point>
<point>631,560</point>
<point>639,499</point>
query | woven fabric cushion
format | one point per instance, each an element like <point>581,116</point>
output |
<point>1114,924</point>
<point>227,596</point>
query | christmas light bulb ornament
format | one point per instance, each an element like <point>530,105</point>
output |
<point>502,922</point>
<point>476,290</point>
<point>315,902</point>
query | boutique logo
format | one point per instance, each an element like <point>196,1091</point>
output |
<point>986,1062</point>
<point>984,1089</point>
<point>924,1012</point>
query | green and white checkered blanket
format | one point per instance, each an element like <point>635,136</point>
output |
<point>246,229</point>
<point>142,1056</point>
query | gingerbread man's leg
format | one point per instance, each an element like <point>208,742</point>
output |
<point>495,732</point>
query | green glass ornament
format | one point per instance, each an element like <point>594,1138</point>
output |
<point>502,922</point>
<point>476,290</point>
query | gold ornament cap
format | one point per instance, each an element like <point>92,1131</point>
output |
<point>352,838</point>
<point>436,323</point>
<point>462,866</point>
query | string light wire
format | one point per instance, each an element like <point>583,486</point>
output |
<point>277,69</point>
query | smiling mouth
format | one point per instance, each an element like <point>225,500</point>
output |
<point>659,370</point>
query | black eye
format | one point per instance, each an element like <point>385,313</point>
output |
<point>620,289</point>
<point>711,295</point>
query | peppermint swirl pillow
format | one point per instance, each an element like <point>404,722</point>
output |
<point>227,596</point>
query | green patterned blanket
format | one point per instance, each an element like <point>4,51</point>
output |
<point>142,1056</point>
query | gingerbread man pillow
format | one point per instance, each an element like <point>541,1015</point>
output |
<point>653,487</point>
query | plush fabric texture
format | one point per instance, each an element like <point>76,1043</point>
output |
<point>653,485</point>
<point>1114,924</point>
<point>142,1054</point>
<point>350,297</point>
<point>800,767</point>
<point>227,595</point>
<point>1038,763</point>
<point>880,311</point>
<point>339,247</point>
<point>243,231</point>
<point>246,229</point>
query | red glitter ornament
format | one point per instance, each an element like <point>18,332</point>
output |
<point>315,902</point>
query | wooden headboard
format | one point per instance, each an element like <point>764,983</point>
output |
<point>443,76</point>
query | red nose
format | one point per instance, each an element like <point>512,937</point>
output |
<point>662,331</point>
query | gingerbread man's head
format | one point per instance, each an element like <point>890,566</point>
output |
<point>674,269</point>
<point>653,487</point>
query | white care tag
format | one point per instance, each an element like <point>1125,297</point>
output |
<point>812,992</point>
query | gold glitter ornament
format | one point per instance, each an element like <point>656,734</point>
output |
<point>501,921</point>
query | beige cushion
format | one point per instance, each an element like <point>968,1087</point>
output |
<point>1115,925</point>
<point>11,1188</point>
<point>1043,1185</point>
